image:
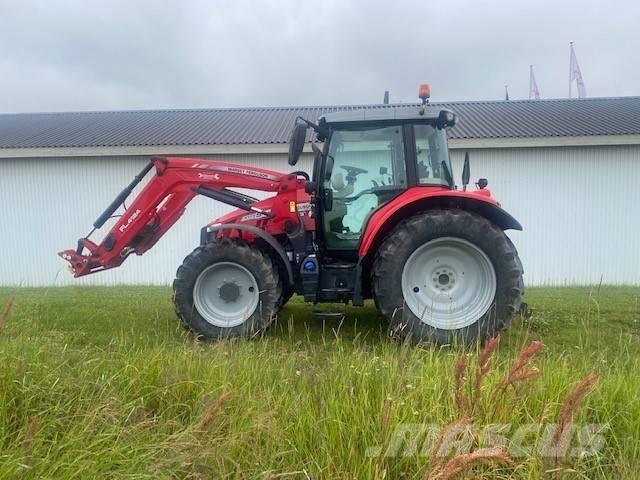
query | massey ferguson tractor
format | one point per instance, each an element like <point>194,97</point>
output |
<point>380,218</point>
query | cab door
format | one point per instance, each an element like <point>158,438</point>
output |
<point>363,168</point>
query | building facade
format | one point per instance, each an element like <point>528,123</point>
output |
<point>567,172</point>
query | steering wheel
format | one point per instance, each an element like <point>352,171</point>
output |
<point>353,172</point>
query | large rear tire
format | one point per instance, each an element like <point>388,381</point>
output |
<point>226,289</point>
<point>446,276</point>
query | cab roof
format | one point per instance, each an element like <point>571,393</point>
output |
<point>417,114</point>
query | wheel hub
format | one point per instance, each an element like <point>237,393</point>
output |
<point>229,292</point>
<point>226,294</point>
<point>448,283</point>
<point>443,279</point>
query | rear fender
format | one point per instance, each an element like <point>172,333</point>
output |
<point>413,201</point>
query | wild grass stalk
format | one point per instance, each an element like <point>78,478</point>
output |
<point>465,462</point>
<point>570,407</point>
<point>483,368</point>
<point>462,403</point>
<point>442,446</point>
<point>6,312</point>
<point>519,371</point>
<point>30,434</point>
<point>211,411</point>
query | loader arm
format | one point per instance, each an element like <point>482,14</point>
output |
<point>163,200</point>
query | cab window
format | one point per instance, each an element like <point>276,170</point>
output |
<point>364,168</point>
<point>431,152</point>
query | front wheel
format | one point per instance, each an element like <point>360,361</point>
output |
<point>226,289</point>
<point>447,275</point>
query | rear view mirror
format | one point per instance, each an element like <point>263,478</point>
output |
<point>296,142</point>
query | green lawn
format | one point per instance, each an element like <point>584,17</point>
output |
<point>103,383</point>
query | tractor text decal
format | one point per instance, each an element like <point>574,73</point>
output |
<point>236,170</point>
<point>133,216</point>
<point>254,216</point>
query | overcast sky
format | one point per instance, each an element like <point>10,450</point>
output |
<point>114,54</point>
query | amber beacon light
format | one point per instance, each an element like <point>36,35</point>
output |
<point>424,92</point>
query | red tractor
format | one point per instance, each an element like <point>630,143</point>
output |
<point>380,218</point>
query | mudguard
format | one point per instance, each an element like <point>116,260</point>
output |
<point>258,232</point>
<point>418,199</point>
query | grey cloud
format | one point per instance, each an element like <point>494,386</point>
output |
<point>116,54</point>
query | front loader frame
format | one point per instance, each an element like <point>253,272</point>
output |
<point>164,199</point>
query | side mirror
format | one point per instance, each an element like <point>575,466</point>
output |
<point>466,172</point>
<point>296,142</point>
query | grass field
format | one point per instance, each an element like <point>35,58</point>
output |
<point>102,383</point>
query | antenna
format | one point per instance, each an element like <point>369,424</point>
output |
<point>506,93</point>
<point>533,86</point>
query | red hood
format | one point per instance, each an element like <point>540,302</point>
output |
<point>236,215</point>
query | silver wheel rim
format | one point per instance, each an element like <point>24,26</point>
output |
<point>225,294</point>
<point>448,283</point>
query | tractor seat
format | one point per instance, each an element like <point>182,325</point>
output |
<point>340,190</point>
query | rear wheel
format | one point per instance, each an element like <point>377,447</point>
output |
<point>226,289</point>
<point>447,275</point>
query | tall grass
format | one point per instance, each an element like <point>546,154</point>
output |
<point>102,383</point>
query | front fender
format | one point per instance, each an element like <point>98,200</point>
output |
<point>258,232</point>
<point>418,199</point>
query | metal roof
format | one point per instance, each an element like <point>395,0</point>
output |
<point>272,125</point>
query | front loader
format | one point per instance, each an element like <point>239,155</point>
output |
<point>380,218</point>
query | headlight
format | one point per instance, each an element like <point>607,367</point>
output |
<point>451,119</point>
<point>446,119</point>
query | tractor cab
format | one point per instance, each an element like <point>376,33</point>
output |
<point>369,158</point>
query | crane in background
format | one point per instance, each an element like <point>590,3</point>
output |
<point>575,73</point>
<point>534,93</point>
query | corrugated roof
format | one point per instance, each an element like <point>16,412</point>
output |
<point>272,125</point>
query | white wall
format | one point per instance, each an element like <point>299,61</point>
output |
<point>579,207</point>
<point>47,204</point>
